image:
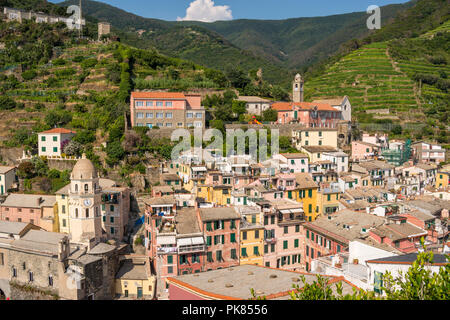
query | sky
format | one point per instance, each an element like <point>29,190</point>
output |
<point>212,10</point>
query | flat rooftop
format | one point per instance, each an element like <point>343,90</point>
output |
<point>236,282</point>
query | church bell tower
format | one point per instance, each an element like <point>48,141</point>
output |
<point>297,88</point>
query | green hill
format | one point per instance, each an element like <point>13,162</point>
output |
<point>406,73</point>
<point>279,47</point>
<point>193,43</point>
<point>296,43</point>
<point>48,78</point>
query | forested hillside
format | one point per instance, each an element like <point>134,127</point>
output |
<point>406,73</point>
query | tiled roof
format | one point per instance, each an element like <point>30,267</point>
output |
<point>305,181</point>
<point>335,226</point>
<point>158,95</point>
<point>28,201</point>
<point>294,155</point>
<point>12,227</point>
<point>58,130</point>
<point>319,148</point>
<point>4,170</point>
<point>283,106</point>
<point>212,214</point>
<point>252,99</point>
<point>334,102</point>
<point>438,259</point>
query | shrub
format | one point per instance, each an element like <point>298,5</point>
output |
<point>6,103</point>
<point>29,75</point>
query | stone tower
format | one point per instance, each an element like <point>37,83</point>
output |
<point>84,204</point>
<point>297,88</point>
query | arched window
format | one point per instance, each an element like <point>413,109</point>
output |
<point>76,188</point>
<point>86,188</point>
<point>87,213</point>
<point>76,212</point>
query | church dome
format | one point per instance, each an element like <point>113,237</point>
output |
<point>84,169</point>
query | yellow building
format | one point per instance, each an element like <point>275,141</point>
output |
<point>442,179</point>
<point>252,243</point>
<point>328,200</point>
<point>315,137</point>
<point>134,280</point>
<point>62,200</point>
<point>219,194</point>
<point>306,192</point>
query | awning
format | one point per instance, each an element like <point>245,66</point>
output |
<point>198,240</point>
<point>299,210</point>
<point>190,241</point>
<point>162,240</point>
<point>184,242</point>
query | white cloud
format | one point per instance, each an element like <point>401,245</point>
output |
<point>206,11</point>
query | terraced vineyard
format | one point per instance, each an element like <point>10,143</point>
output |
<point>371,79</point>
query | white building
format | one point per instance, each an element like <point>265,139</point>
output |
<point>339,160</point>
<point>7,178</point>
<point>52,142</point>
<point>255,105</point>
<point>428,152</point>
<point>397,264</point>
<point>296,162</point>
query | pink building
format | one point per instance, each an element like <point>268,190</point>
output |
<point>35,209</point>
<point>283,239</point>
<point>428,152</point>
<point>399,234</point>
<point>364,150</point>
<point>312,115</point>
<point>160,235</point>
<point>220,227</point>
<point>166,110</point>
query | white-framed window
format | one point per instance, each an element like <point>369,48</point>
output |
<point>168,103</point>
<point>198,124</point>
<point>198,115</point>
<point>140,124</point>
<point>189,115</point>
<point>179,124</point>
<point>159,124</point>
<point>149,115</point>
<point>169,115</point>
<point>140,115</point>
<point>149,104</point>
<point>159,103</point>
<point>159,115</point>
<point>189,125</point>
<point>169,124</point>
<point>139,103</point>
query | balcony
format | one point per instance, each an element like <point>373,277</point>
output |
<point>193,248</point>
<point>166,250</point>
<point>270,240</point>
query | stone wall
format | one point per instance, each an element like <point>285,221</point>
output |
<point>61,165</point>
<point>285,129</point>
<point>27,292</point>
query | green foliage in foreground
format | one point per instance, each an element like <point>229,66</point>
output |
<point>418,283</point>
